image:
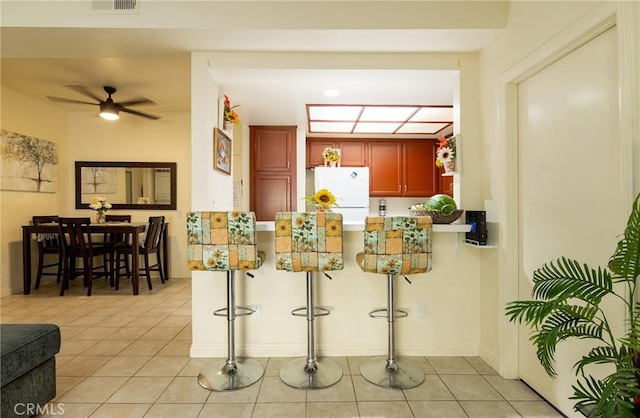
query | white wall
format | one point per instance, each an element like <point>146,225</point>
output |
<point>526,44</point>
<point>36,118</point>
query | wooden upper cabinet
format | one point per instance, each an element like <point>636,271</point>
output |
<point>273,170</point>
<point>397,168</point>
<point>385,168</point>
<point>273,148</point>
<point>314,151</point>
<point>420,175</point>
<point>404,168</point>
<point>353,153</point>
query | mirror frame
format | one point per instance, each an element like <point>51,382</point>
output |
<point>129,164</point>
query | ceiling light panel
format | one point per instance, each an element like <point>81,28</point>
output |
<point>387,113</point>
<point>337,113</point>
<point>335,127</point>
<point>376,128</point>
<point>422,128</point>
<point>426,114</point>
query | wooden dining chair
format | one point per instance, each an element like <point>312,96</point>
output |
<point>115,240</point>
<point>150,245</point>
<point>48,244</point>
<point>78,245</point>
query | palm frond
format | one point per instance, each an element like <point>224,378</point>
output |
<point>625,262</point>
<point>565,278</point>
<point>531,312</point>
<point>611,396</point>
<point>598,355</point>
<point>558,327</point>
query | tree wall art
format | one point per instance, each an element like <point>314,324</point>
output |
<point>28,163</point>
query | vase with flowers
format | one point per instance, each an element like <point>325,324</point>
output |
<point>446,154</point>
<point>230,117</point>
<point>323,200</point>
<point>331,156</point>
<point>101,206</point>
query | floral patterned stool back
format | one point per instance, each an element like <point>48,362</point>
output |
<point>309,242</point>
<point>397,245</point>
<point>226,241</point>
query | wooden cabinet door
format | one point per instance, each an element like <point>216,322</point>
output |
<point>273,170</point>
<point>272,193</point>
<point>273,148</point>
<point>385,169</point>
<point>353,154</point>
<point>420,172</point>
<point>314,151</point>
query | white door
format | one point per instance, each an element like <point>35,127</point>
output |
<point>570,193</point>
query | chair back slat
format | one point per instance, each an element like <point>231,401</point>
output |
<point>153,233</point>
<point>222,241</point>
<point>397,245</point>
<point>78,238</point>
<point>48,240</point>
<point>308,241</point>
<point>116,238</point>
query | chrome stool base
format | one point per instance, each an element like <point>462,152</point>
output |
<point>404,374</point>
<point>327,373</point>
<point>220,376</point>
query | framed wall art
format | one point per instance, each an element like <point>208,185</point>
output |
<point>221,151</point>
<point>28,163</point>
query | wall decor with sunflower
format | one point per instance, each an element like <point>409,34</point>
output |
<point>447,154</point>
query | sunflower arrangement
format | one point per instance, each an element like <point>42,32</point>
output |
<point>446,152</point>
<point>331,155</point>
<point>323,199</point>
<point>230,115</point>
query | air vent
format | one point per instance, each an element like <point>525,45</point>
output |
<point>114,7</point>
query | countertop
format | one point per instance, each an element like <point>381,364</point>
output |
<point>355,226</point>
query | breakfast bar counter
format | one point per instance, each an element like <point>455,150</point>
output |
<point>442,304</point>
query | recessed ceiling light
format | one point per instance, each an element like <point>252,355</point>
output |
<point>331,92</point>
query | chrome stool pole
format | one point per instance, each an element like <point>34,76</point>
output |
<point>391,373</point>
<point>310,373</point>
<point>231,374</point>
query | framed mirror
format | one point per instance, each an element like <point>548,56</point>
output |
<point>127,185</point>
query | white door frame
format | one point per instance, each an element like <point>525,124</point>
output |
<point>621,14</point>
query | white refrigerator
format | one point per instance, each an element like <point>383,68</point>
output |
<point>350,186</point>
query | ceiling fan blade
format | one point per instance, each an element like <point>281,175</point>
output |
<point>135,112</point>
<point>63,100</point>
<point>83,90</point>
<point>139,101</point>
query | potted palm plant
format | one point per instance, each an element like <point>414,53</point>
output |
<point>566,304</point>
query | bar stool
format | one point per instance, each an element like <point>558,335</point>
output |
<point>399,245</point>
<point>309,242</point>
<point>226,241</point>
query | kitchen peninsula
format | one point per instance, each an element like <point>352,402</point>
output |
<point>441,304</point>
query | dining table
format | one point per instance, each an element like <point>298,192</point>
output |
<point>134,229</point>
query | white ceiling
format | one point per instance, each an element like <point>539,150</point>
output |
<point>155,63</point>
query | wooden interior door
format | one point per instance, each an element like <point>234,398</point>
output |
<point>273,170</point>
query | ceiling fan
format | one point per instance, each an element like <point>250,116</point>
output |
<point>108,108</point>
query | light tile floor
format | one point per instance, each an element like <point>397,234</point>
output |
<point>128,356</point>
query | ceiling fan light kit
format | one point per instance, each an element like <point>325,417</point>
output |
<point>109,109</point>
